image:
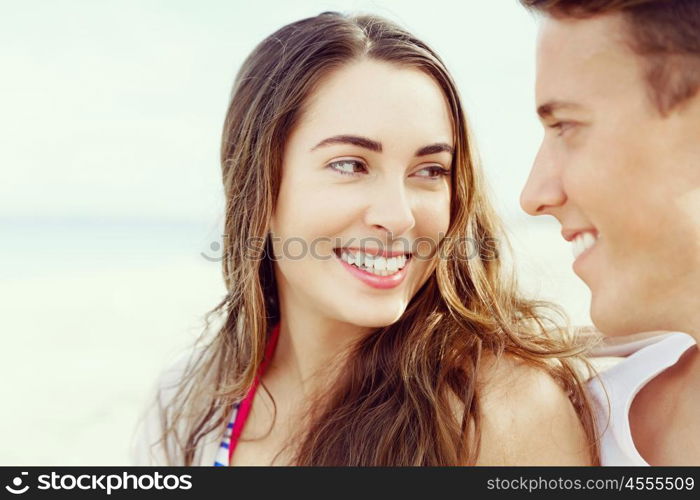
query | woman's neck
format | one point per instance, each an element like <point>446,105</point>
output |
<point>308,349</point>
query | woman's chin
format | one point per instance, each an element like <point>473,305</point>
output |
<point>378,317</point>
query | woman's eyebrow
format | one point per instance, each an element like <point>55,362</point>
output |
<point>435,148</point>
<point>363,142</point>
<point>375,146</point>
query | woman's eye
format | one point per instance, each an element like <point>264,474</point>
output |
<point>354,167</point>
<point>434,172</point>
<point>346,167</point>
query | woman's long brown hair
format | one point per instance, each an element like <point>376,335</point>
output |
<point>392,402</point>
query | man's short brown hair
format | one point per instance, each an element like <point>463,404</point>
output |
<point>666,33</point>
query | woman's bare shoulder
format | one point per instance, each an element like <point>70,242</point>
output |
<point>527,417</point>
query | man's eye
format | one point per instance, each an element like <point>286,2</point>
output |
<point>346,167</point>
<point>561,127</point>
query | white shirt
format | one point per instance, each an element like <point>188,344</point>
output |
<point>646,358</point>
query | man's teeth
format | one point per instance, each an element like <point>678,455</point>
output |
<point>378,265</point>
<point>583,242</point>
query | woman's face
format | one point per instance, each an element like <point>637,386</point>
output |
<point>366,168</point>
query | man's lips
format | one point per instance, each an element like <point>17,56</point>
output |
<point>570,234</point>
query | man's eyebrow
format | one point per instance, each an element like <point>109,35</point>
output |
<point>362,142</point>
<point>435,148</point>
<point>375,146</point>
<point>547,109</point>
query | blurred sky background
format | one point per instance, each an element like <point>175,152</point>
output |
<point>110,123</point>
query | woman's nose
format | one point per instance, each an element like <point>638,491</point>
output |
<point>391,209</point>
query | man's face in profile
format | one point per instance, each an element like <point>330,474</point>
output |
<point>623,180</point>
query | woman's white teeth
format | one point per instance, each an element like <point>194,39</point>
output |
<point>379,265</point>
<point>583,242</point>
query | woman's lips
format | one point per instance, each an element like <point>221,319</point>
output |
<point>373,280</point>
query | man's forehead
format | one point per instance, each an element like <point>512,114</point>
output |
<point>575,56</point>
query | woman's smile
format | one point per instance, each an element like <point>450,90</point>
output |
<point>375,270</point>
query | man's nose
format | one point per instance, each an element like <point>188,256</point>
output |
<point>543,190</point>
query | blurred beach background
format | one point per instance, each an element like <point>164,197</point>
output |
<point>111,198</point>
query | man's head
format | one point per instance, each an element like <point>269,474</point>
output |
<point>619,166</point>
